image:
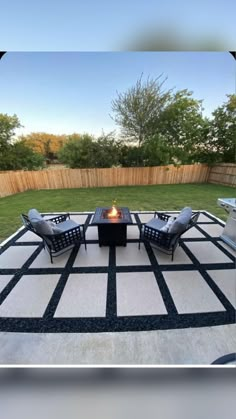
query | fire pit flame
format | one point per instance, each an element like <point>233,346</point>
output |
<point>113,212</point>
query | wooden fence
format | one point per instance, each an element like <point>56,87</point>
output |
<point>223,173</point>
<point>20,181</point>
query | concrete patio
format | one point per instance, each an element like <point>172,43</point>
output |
<point>118,305</point>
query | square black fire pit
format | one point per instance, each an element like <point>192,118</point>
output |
<point>112,231</point>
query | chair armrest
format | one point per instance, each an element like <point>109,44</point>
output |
<point>63,233</point>
<point>25,220</point>
<point>162,216</point>
<point>159,237</point>
<point>195,217</point>
<point>67,237</point>
<point>60,218</point>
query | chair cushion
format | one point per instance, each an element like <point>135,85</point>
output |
<point>42,227</point>
<point>181,221</point>
<point>168,225</point>
<point>156,223</point>
<point>66,225</point>
<point>55,227</point>
<point>34,216</point>
<point>187,211</point>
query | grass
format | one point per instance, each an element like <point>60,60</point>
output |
<point>153,197</point>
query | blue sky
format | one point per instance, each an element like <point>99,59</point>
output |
<point>69,92</point>
<point>101,25</point>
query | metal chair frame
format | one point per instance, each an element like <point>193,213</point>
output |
<point>165,242</point>
<point>59,243</point>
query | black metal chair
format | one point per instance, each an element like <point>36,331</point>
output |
<point>164,241</point>
<point>72,235</point>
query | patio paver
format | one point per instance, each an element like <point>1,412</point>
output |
<point>93,256</point>
<point>180,257</point>
<point>29,237</point>
<point>42,261</point>
<point>84,296</point>
<point>214,230</point>
<point>138,294</point>
<point>207,252</point>
<point>15,257</point>
<point>191,293</point>
<point>131,255</point>
<point>226,281</point>
<point>30,296</point>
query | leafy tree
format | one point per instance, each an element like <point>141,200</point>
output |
<point>85,151</point>
<point>8,124</point>
<point>153,152</point>
<point>137,111</point>
<point>130,155</point>
<point>15,155</point>
<point>46,144</point>
<point>223,131</point>
<point>106,150</point>
<point>19,156</point>
<point>183,126</point>
<point>78,152</point>
<point>156,152</point>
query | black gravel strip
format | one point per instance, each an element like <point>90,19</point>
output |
<point>111,285</point>
<point>166,295</point>
<point>119,324</point>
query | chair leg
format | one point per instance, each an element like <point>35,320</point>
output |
<point>51,257</point>
<point>85,243</point>
<point>140,236</point>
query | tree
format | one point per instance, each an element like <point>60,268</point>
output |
<point>223,131</point>
<point>86,151</point>
<point>183,126</point>
<point>15,155</point>
<point>46,144</point>
<point>19,156</point>
<point>78,152</point>
<point>156,152</point>
<point>137,111</point>
<point>8,124</point>
<point>107,151</point>
<point>130,155</point>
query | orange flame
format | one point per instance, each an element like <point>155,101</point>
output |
<point>113,212</point>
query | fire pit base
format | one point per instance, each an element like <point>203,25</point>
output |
<point>112,231</point>
<point>112,234</point>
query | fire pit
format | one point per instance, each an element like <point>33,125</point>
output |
<point>112,225</point>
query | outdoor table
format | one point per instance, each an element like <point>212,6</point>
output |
<point>112,231</point>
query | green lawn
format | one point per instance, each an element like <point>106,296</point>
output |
<point>153,197</point>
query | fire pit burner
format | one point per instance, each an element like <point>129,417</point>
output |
<point>112,213</point>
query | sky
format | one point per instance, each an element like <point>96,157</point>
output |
<point>67,92</point>
<point>102,25</point>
